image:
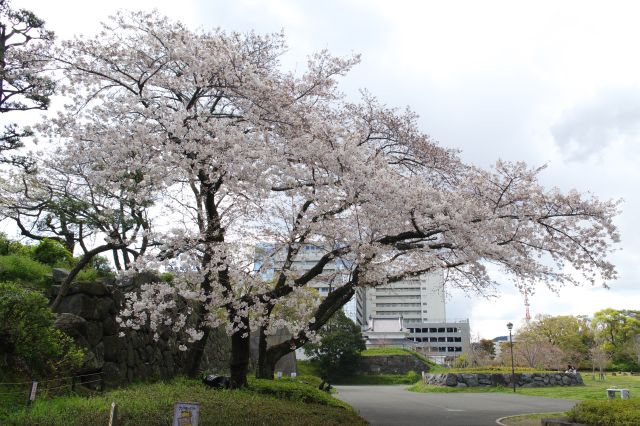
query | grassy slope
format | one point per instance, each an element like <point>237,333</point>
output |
<point>592,389</point>
<point>152,404</point>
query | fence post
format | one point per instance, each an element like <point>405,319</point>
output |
<point>32,392</point>
<point>113,415</point>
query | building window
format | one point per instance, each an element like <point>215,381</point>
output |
<point>458,349</point>
<point>433,339</point>
<point>451,349</point>
<point>457,339</point>
<point>433,330</point>
<point>441,330</point>
<point>441,339</point>
<point>449,339</point>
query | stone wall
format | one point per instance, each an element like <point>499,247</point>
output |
<point>526,380</point>
<point>392,364</point>
<point>88,314</point>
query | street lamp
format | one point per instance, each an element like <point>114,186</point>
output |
<point>513,371</point>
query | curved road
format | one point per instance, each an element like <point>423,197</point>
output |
<point>394,405</point>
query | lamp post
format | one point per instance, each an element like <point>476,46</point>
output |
<point>513,371</point>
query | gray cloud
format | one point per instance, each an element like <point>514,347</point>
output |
<point>591,127</point>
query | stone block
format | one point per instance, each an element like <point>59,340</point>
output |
<point>59,275</point>
<point>104,307</point>
<point>112,346</point>
<point>131,357</point>
<point>94,332</point>
<point>71,324</point>
<point>81,305</point>
<point>113,374</point>
<point>110,326</point>
<point>471,379</point>
<point>91,288</point>
<point>451,380</point>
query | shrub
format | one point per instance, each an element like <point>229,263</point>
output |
<point>28,340</point>
<point>102,266</point>
<point>52,253</point>
<point>624,365</point>
<point>619,412</point>
<point>24,270</point>
<point>13,247</point>
<point>338,352</point>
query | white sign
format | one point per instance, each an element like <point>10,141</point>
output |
<point>186,413</point>
<point>279,374</point>
<point>293,374</point>
<point>34,387</point>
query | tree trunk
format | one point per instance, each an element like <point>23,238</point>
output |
<point>265,366</point>
<point>196,353</point>
<point>240,351</point>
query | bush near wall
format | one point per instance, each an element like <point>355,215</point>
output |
<point>29,343</point>
<point>619,412</point>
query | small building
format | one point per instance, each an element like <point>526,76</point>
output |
<point>381,332</point>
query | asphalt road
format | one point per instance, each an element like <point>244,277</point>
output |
<point>393,405</point>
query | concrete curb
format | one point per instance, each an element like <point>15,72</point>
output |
<point>547,422</point>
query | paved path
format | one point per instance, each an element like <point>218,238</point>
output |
<point>393,405</point>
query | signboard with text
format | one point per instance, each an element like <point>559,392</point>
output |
<point>186,413</point>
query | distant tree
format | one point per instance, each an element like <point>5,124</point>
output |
<point>534,351</point>
<point>617,330</point>
<point>571,334</point>
<point>487,346</point>
<point>24,42</point>
<point>338,351</point>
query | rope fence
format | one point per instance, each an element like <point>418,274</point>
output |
<point>19,393</point>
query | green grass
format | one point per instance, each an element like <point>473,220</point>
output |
<point>380,379</point>
<point>386,351</point>
<point>593,389</point>
<point>264,403</point>
<point>397,351</point>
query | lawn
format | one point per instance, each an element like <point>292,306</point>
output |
<point>593,389</point>
<point>264,403</point>
<point>386,351</point>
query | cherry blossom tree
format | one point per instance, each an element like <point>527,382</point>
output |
<point>235,152</point>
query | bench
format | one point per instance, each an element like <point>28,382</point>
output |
<point>624,393</point>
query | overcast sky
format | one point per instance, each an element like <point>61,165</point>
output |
<point>554,83</point>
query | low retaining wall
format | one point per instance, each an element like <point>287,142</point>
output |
<point>523,380</point>
<point>391,364</point>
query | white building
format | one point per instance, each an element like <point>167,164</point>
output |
<point>419,302</point>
